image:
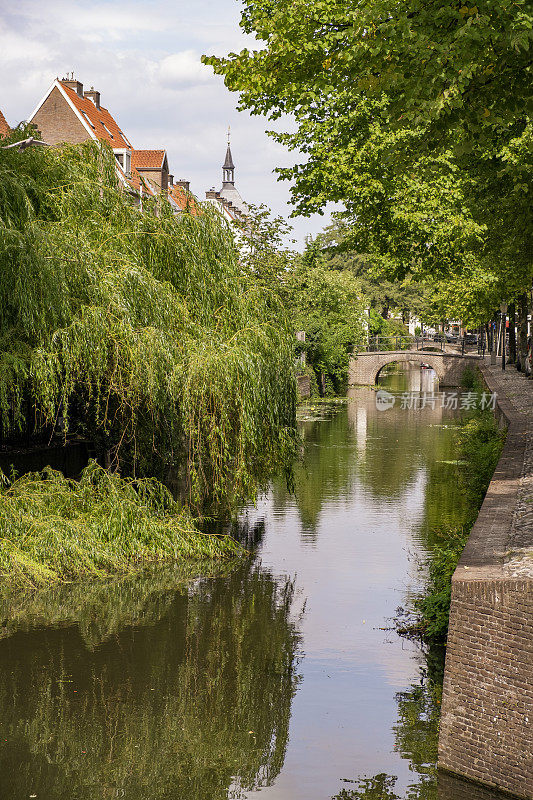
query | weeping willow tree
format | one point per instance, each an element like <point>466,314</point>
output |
<point>137,331</point>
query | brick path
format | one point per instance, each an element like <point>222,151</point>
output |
<point>517,390</point>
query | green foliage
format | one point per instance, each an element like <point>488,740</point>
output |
<point>417,118</point>
<point>329,306</point>
<point>480,443</point>
<point>433,607</point>
<point>55,529</point>
<point>464,68</point>
<point>136,329</point>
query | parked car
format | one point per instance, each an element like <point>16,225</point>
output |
<point>451,337</point>
<point>471,338</point>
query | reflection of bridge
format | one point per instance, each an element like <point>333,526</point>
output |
<point>365,367</point>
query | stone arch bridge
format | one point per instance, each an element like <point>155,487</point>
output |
<point>365,367</point>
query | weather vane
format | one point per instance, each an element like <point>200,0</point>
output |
<point>229,133</point>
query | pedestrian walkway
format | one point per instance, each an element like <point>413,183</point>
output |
<point>515,400</point>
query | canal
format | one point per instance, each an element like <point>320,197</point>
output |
<point>281,678</point>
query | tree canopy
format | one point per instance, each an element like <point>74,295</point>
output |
<point>135,330</point>
<point>415,117</point>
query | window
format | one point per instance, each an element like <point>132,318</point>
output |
<point>86,118</point>
<point>106,129</point>
<point>124,160</point>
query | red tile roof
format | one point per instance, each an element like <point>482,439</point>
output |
<point>4,127</point>
<point>136,182</point>
<point>185,200</point>
<point>99,120</point>
<point>147,159</point>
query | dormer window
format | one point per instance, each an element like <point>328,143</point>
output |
<point>124,160</point>
<point>106,129</point>
<point>125,138</point>
<point>86,118</point>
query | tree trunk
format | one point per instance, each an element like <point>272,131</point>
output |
<point>522,332</point>
<point>512,334</point>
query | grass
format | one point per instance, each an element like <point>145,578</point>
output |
<point>53,529</point>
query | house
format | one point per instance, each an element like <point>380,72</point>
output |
<point>152,165</point>
<point>67,113</point>
<point>4,127</point>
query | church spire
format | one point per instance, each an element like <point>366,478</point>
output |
<point>228,169</point>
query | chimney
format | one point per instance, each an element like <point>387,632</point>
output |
<point>171,180</point>
<point>72,83</point>
<point>93,95</point>
<point>185,184</point>
<point>211,195</point>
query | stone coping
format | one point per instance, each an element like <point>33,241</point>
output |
<point>500,545</point>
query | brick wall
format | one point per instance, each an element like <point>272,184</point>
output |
<point>453,788</point>
<point>487,715</point>
<point>486,731</point>
<point>57,122</point>
<point>158,176</point>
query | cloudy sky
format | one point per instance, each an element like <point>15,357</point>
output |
<point>144,58</point>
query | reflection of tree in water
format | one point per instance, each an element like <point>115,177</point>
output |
<point>379,787</point>
<point>416,739</point>
<point>187,698</point>
<point>328,468</point>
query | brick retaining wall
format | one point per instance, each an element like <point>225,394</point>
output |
<point>486,731</point>
<point>453,788</point>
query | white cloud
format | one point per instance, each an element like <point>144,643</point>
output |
<point>184,69</point>
<point>144,58</point>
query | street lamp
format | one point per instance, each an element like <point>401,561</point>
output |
<point>503,309</point>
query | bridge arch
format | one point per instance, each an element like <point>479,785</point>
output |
<point>365,367</point>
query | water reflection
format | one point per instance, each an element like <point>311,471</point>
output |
<point>172,685</point>
<point>186,696</point>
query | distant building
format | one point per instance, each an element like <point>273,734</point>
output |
<point>67,113</point>
<point>228,200</point>
<point>4,127</point>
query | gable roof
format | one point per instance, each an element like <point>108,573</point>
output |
<point>99,121</point>
<point>184,200</point>
<point>148,159</point>
<point>4,127</point>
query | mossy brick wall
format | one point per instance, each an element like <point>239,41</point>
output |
<point>453,788</point>
<point>486,732</point>
<point>487,720</point>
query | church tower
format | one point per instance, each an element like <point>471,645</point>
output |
<point>229,191</point>
<point>228,170</point>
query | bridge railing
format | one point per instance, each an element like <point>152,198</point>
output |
<point>459,344</point>
<point>381,343</point>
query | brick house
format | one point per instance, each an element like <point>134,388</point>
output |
<point>67,113</point>
<point>4,127</point>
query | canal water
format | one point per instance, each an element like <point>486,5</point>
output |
<point>281,679</point>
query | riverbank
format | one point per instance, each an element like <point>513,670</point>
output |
<point>55,529</point>
<point>485,731</point>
